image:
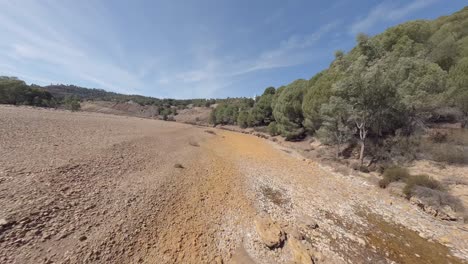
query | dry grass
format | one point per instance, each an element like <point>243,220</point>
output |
<point>343,170</point>
<point>456,180</point>
<point>447,145</point>
<point>458,136</point>
<point>421,180</point>
<point>448,152</point>
<point>437,198</point>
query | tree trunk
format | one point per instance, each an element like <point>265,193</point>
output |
<point>362,137</point>
<point>361,153</point>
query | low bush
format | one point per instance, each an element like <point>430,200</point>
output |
<point>437,198</point>
<point>72,103</point>
<point>273,129</point>
<point>421,180</point>
<point>393,174</point>
<point>449,153</point>
<point>397,149</point>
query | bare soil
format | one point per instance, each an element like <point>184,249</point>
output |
<point>95,188</point>
<point>121,108</point>
<point>194,115</point>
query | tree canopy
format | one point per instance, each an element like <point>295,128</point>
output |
<point>395,80</point>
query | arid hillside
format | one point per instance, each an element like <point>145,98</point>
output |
<point>121,108</point>
<point>79,187</point>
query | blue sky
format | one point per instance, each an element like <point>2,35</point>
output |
<point>190,48</point>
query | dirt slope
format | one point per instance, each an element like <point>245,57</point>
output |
<point>94,188</point>
<point>194,115</point>
<point>120,108</point>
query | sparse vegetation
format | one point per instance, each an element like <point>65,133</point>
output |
<point>448,147</point>
<point>393,174</point>
<point>437,198</point>
<point>421,180</point>
<point>448,153</point>
<point>72,103</point>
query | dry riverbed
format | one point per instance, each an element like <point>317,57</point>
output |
<point>94,188</point>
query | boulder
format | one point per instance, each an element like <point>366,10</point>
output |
<point>299,252</point>
<point>270,232</point>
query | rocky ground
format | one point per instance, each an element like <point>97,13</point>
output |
<point>94,188</point>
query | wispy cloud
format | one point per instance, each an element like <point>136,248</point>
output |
<point>215,73</point>
<point>293,51</point>
<point>79,42</point>
<point>388,11</point>
<point>41,40</point>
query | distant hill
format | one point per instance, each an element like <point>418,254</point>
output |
<point>62,91</point>
<point>72,97</point>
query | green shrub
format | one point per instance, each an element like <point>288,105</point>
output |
<point>393,174</point>
<point>422,180</point>
<point>17,92</point>
<point>287,110</point>
<point>272,129</point>
<point>262,113</point>
<point>243,119</point>
<point>72,103</point>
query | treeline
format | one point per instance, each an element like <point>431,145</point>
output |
<point>84,94</point>
<point>17,92</point>
<point>392,83</point>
